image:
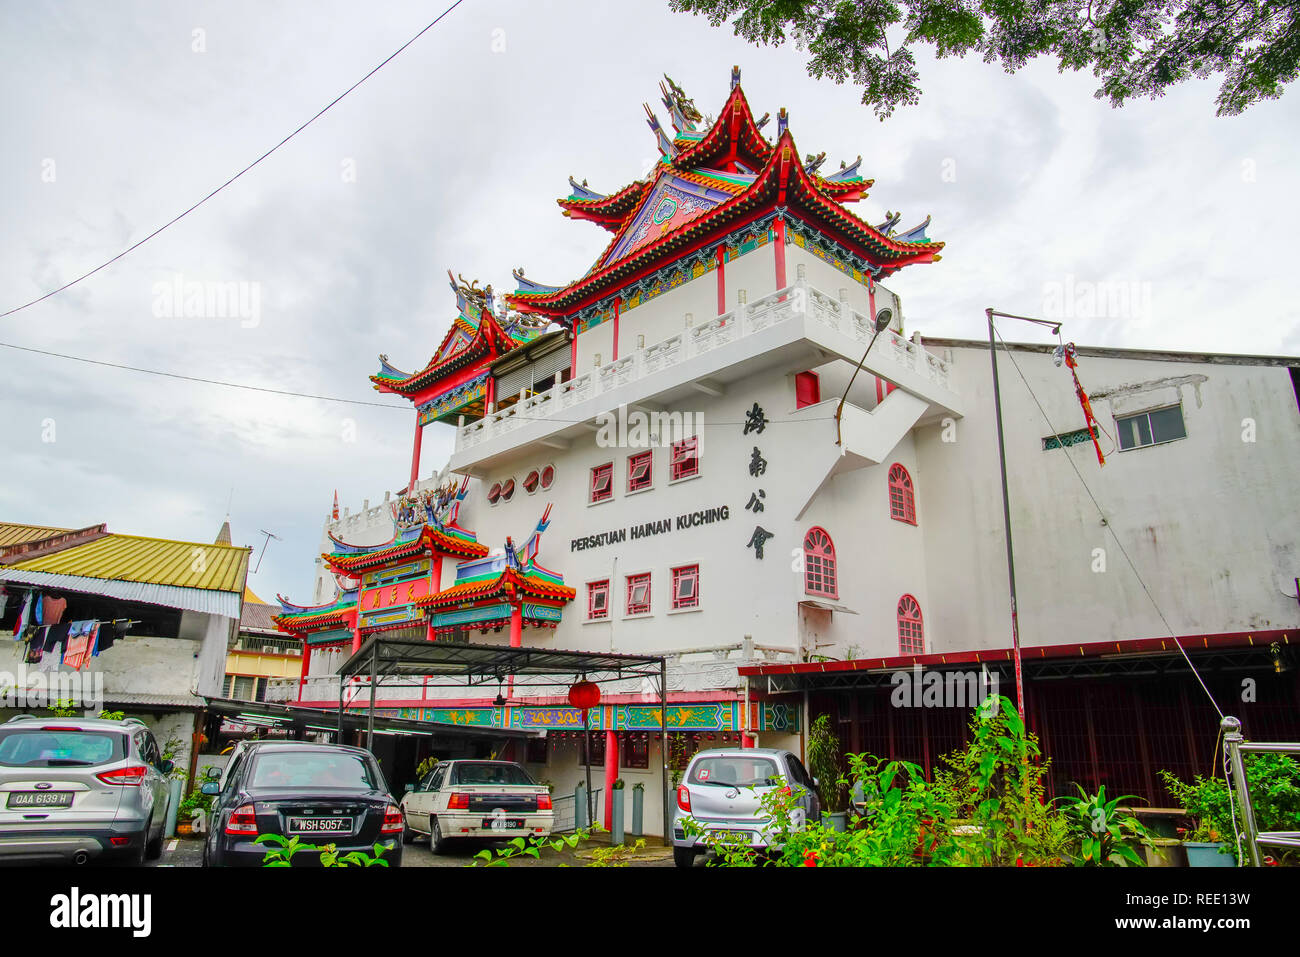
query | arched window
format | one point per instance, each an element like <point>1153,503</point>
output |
<point>819,564</point>
<point>902,503</point>
<point>911,629</point>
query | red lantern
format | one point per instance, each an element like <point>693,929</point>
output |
<point>584,695</point>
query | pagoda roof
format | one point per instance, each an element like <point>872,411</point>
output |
<point>707,185</point>
<point>529,581</point>
<point>476,337</point>
<point>448,540</point>
<point>297,619</point>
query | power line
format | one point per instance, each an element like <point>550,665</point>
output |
<point>1113,533</point>
<point>176,219</point>
<point>191,378</point>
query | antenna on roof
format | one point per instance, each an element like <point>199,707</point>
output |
<point>265,542</point>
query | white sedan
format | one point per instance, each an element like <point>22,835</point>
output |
<point>477,799</point>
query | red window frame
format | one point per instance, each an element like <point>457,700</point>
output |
<point>642,462</point>
<point>635,581</point>
<point>911,627</point>
<point>595,589</point>
<point>902,499</point>
<point>682,574</point>
<point>507,490</point>
<point>548,476</point>
<point>494,493</point>
<point>820,573</point>
<point>807,389</point>
<point>685,458</point>
<point>530,481</point>
<point>602,482</point>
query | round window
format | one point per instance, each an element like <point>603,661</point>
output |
<point>548,476</point>
<point>530,482</point>
<point>507,490</point>
<point>494,493</point>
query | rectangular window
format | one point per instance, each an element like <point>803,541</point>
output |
<point>685,458</point>
<point>1151,428</point>
<point>602,482</point>
<point>536,751</point>
<point>598,599</point>
<point>595,748</point>
<point>686,587</point>
<point>634,752</point>
<point>639,471</point>
<point>638,594</point>
<point>807,390</point>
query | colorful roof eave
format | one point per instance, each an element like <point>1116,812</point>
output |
<point>765,192</point>
<point>529,585</point>
<point>429,539</point>
<point>609,211</point>
<point>490,338</point>
<point>734,135</point>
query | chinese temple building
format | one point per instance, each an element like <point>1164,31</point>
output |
<point>707,456</point>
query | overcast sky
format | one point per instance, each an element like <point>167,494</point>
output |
<point>118,116</point>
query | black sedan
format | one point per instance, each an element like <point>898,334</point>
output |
<point>319,793</point>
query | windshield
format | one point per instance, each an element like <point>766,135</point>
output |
<point>41,748</point>
<point>310,769</point>
<point>473,772</point>
<point>735,772</point>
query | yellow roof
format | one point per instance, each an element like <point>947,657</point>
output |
<point>251,596</point>
<point>12,533</point>
<point>156,561</point>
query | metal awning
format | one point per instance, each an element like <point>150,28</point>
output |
<point>468,664</point>
<point>286,716</point>
<point>225,604</point>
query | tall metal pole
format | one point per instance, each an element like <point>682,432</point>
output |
<point>663,748</point>
<point>586,760</point>
<point>374,680</point>
<point>1006,518</point>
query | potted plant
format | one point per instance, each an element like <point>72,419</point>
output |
<point>1274,781</point>
<point>824,763</point>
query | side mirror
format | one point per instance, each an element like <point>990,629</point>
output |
<point>166,767</point>
<point>210,787</point>
<point>817,782</point>
<point>411,787</point>
<point>214,773</point>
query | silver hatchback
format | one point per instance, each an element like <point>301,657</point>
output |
<point>722,790</point>
<point>74,790</point>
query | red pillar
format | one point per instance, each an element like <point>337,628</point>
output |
<point>779,226</point>
<point>573,353</point>
<point>306,663</point>
<point>722,279</point>
<point>491,395</point>
<point>415,453</point>
<point>611,775</point>
<point>356,626</point>
<point>516,638</point>
<point>618,302</point>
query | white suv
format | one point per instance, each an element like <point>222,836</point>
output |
<point>77,789</point>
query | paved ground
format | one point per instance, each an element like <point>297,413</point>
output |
<point>188,852</point>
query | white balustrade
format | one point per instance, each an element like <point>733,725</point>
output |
<point>794,301</point>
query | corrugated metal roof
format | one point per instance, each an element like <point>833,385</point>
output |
<point>156,561</point>
<point>223,603</point>
<point>12,533</point>
<point>163,700</point>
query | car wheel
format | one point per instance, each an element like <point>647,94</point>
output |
<point>207,861</point>
<point>684,856</point>
<point>437,843</point>
<point>409,835</point>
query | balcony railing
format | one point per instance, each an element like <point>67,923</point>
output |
<point>797,301</point>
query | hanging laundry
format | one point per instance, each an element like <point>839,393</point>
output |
<point>52,609</point>
<point>35,647</point>
<point>56,636</point>
<point>78,647</point>
<point>38,609</point>
<point>21,624</point>
<point>4,600</point>
<point>109,632</point>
